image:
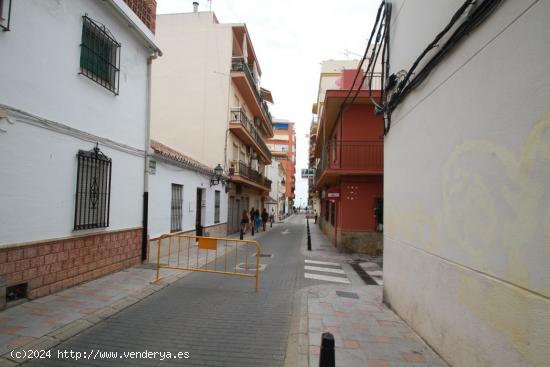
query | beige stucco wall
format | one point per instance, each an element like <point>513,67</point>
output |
<point>191,85</point>
<point>467,187</point>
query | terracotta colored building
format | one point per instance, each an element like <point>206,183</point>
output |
<point>348,150</point>
<point>283,149</point>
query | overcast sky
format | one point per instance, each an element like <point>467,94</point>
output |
<point>291,38</point>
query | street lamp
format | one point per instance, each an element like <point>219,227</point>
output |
<point>218,176</point>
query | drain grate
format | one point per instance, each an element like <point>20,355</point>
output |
<point>266,255</point>
<point>347,294</point>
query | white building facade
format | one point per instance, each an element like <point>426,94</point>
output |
<point>73,137</point>
<point>184,196</point>
<point>467,184</point>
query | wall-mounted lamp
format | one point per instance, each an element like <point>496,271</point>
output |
<point>218,176</point>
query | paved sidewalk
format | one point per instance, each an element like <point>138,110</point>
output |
<point>366,332</point>
<point>47,321</point>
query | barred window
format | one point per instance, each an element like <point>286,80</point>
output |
<point>176,209</point>
<point>99,55</point>
<point>217,207</point>
<point>93,190</point>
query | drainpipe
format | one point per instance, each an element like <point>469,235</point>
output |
<point>145,222</point>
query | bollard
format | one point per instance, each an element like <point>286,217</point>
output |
<point>253,225</point>
<point>242,234</point>
<point>326,357</point>
<point>308,236</point>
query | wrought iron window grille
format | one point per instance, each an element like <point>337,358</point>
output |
<point>176,209</point>
<point>93,190</point>
<point>5,14</point>
<point>100,55</point>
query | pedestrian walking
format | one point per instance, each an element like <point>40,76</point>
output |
<point>272,217</point>
<point>244,222</point>
<point>257,219</point>
<point>315,212</point>
<point>265,217</point>
<point>252,220</point>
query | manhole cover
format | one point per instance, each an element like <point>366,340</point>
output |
<point>249,267</point>
<point>347,294</point>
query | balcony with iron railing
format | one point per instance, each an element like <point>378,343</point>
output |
<point>239,65</point>
<point>240,172</point>
<point>241,126</point>
<point>350,158</point>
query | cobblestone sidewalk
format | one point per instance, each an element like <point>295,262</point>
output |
<point>367,333</point>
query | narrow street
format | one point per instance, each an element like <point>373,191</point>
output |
<point>219,320</point>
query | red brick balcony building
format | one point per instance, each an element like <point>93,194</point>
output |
<point>350,165</point>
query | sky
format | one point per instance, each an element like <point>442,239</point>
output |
<point>291,38</point>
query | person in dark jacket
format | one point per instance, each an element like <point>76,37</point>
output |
<point>265,217</point>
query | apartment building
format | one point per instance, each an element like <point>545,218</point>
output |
<point>73,137</point>
<point>277,196</point>
<point>208,106</point>
<point>467,181</point>
<point>283,150</point>
<point>348,151</point>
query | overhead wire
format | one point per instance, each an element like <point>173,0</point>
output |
<point>476,16</point>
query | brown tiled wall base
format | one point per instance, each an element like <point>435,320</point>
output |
<point>354,242</point>
<point>50,266</point>
<point>369,243</point>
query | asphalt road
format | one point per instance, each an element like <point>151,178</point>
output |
<point>219,320</point>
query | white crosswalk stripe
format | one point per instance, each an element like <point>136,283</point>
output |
<point>324,270</point>
<point>307,261</point>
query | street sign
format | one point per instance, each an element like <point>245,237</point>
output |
<point>308,172</point>
<point>152,167</point>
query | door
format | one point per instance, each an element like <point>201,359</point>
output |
<point>237,215</point>
<point>198,216</point>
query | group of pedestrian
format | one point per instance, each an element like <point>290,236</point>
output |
<point>255,219</point>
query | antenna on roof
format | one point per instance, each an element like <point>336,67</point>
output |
<point>210,2</point>
<point>347,52</point>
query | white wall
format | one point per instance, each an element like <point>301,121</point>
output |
<point>39,66</point>
<point>40,63</point>
<point>467,187</point>
<point>38,180</point>
<point>160,195</point>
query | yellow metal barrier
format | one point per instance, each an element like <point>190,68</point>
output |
<point>191,253</point>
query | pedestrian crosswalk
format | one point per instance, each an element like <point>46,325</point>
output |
<point>325,271</point>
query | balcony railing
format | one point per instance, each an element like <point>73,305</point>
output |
<point>373,81</point>
<point>365,156</point>
<point>238,116</point>
<point>238,64</point>
<point>241,169</point>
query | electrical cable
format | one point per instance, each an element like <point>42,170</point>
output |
<point>477,16</point>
